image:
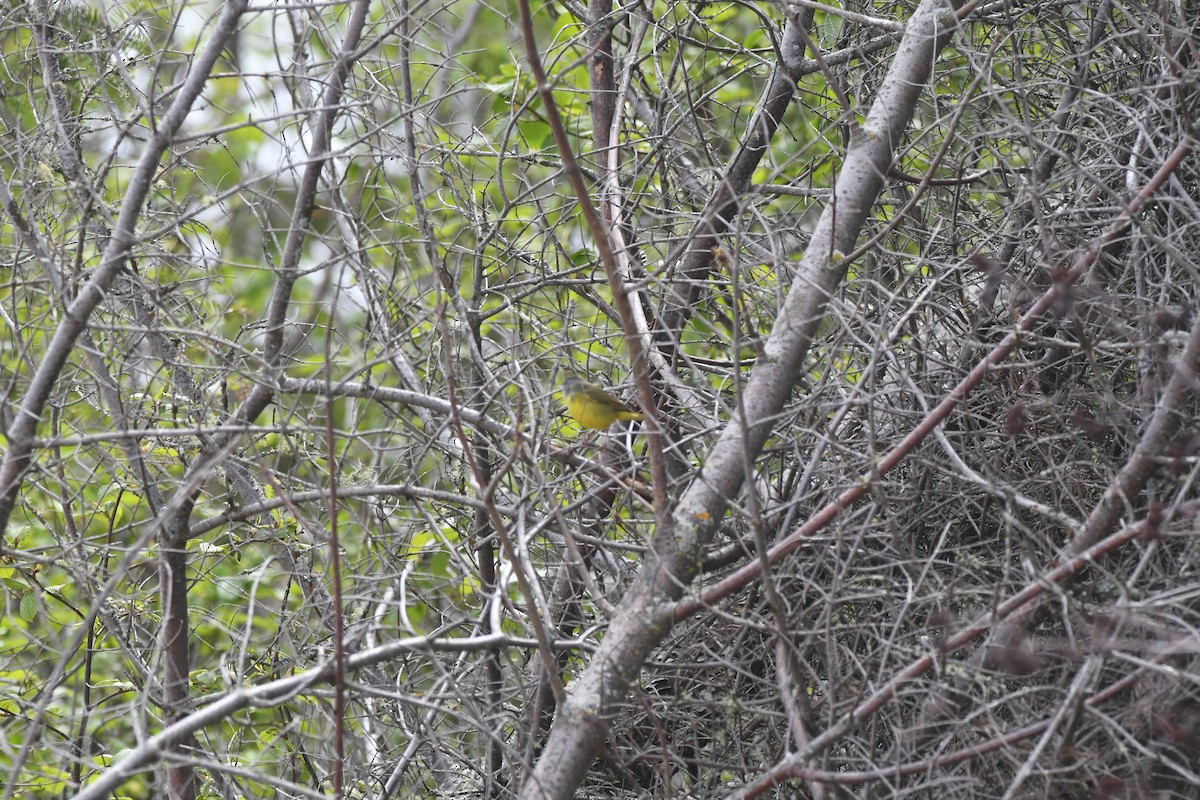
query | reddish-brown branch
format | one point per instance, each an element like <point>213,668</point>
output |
<point>793,765</point>
<point>744,576</point>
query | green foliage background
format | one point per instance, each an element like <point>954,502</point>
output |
<point>444,241</point>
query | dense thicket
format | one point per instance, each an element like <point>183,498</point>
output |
<point>907,293</point>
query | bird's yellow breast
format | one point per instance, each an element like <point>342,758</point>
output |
<point>593,408</point>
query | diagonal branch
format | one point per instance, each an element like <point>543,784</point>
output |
<point>22,431</point>
<point>645,615</point>
<point>1101,519</point>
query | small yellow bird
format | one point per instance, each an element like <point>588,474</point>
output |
<point>594,408</point>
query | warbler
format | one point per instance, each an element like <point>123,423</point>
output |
<point>594,408</point>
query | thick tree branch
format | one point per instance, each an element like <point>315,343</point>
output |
<point>645,614</point>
